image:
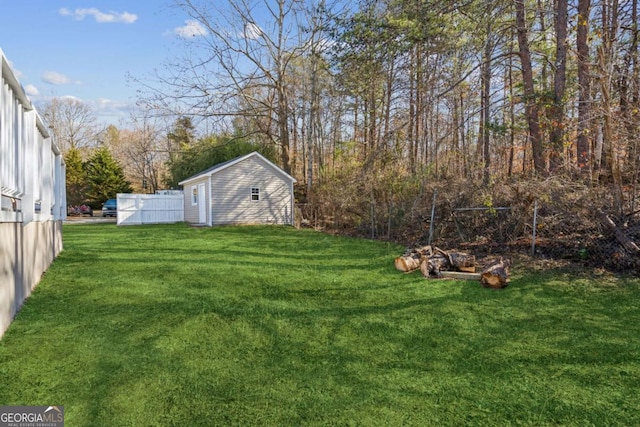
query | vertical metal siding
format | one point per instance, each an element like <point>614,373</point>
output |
<point>31,170</point>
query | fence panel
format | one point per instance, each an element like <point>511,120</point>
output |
<point>150,209</point>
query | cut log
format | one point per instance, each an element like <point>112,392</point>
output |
<point>440,261</point>
<point>496,275</point>
<point>433,265</point>
<point>411,259</point>
<point>407,264</point>
<point>461,261</point>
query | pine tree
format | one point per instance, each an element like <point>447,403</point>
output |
<point>76,177</point>
<point>105,176</point>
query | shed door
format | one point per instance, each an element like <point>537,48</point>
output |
<point>202,204</point>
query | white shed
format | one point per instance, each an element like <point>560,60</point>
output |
<point>246,190</point>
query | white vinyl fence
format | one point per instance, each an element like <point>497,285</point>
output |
<point>150,208</point>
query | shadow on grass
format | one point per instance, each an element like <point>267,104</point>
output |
<point>271,326</point>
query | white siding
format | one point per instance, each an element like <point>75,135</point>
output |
<point>31,167</point>
<point>32,196</point>
<point>190,210</point>
<point>10,146</point>
<point>231,194</point>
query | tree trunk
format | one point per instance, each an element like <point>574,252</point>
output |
<point>281,88</point>
<point>463,138</point>
<point>632,130</point>
<point>512,121</point>
<point>628,93</point>
<point>313,116</point>
<point>606,62</point>
<point>531,107</point>
<point>559,84</point>
<point>583,154</point>
<point>486,108</point>
<point>542,9</point>
<point>413,144</point>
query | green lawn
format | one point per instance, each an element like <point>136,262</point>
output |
<point>172,325</point>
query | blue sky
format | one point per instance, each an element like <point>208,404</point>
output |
<point>85,49</point>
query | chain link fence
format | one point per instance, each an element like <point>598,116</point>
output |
<point>545,229</point>
<point>558,218</point>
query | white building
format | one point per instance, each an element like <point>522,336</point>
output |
<point>33,198</point>
<point>246,190</point>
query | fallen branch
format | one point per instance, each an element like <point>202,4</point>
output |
<point>620,236</point>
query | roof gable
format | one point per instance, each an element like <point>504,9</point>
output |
<point>229,163</point>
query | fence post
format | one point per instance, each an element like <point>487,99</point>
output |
<point>433,213</point>
<point>535,226</point>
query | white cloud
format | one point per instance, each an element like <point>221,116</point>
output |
<point>99,16</point>
<point>31,90</point>
<point>104,104</point>
<point>109,111</point>
<point>191,28</point>
<point>55,78</point>
<point>72,98</point>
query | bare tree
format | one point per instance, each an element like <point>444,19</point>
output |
<point>72,123</point>
<point>606,152</point>
<point>318,24</point>
<point>143,153</point>
<point>234,68</point>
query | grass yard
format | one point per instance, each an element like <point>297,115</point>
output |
<point>270,326</point>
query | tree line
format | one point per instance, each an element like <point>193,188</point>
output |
<point>466,88</point>
<point>144,156</point>
<point>374,98</point>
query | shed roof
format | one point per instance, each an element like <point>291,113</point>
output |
<point>224,165</point>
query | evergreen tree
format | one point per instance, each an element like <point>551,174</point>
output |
<point>182,134</point>
<point>210,151</point>
<point>76,177</point>
<point>105,176</point>
<point>179,143</point>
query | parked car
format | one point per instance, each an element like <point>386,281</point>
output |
<point>80,210</point>
<point>110,208</point>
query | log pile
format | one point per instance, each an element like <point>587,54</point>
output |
<point>433,262</point>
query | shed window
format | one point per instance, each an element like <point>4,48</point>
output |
<point>194,195</point>
<point>255,194</point>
